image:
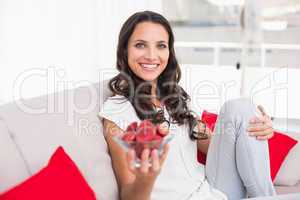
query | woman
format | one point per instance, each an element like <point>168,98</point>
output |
<point>237,164</point>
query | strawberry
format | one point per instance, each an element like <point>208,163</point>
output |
<point>162,129</point>
<point>132,127</point>
<point>145,131</point>
<point>143,143</point>
<point>129,136</point>
<point>146,123</point>
<point>157,141</point>
<point>157,137</point>
<point>145,134</point>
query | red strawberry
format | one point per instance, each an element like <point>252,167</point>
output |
<point>157,137</point>
<point>157,142</point>
<point>132,127</point>
<point>162,130</point>
<point>146,123</point>
<point>129,136</point>
<point>146,131</point>
<point>142,144</point>
<point>145,134</point>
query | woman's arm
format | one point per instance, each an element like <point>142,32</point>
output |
<point>134,183</point>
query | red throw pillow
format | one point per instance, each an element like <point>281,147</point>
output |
<point>279,145</point>
<point>59,180</point>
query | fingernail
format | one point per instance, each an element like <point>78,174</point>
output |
<point>154,152</point>
<point>148,151</point>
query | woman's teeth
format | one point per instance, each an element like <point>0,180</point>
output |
<point>149,66</point>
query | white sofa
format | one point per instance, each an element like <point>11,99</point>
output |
<point>30,131</point>
<point>29,135</point>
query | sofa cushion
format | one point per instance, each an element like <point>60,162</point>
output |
<point>10,157</point>
<point>59,180</point>
<point>280,189</point>
<point>67,119</point>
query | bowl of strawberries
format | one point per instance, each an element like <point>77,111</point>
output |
<point>144,135</point>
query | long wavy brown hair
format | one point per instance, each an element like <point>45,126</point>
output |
<point>138,91</point>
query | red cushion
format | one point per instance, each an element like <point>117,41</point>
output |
<point>59,180</point>
<point>279,145</point>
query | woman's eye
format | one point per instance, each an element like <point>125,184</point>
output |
<point>162,46</point>
<point>140,45</point>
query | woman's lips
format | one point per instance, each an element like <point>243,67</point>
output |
<point>149,67</point>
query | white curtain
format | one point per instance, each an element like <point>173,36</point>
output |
<point>50,45</point>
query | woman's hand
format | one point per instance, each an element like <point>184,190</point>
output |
<point>203,128</point>
<point>203,145</point>
<point>261,127</point>
<point>146,174</point>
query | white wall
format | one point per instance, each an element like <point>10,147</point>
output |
<point>50,45</point>
<point>274,58</point>
<point>273,88</point>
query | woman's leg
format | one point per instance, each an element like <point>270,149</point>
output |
<point>238,164</point>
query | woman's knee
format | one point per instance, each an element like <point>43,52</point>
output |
<point>236,114</point>
<point>238,108</point>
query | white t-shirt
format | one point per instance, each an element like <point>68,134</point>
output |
<point>181,177</point>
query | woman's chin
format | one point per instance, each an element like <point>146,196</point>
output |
<point>149,78</point>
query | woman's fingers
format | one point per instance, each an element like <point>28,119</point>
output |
<point>265,137</point>
<point>150,162</point>
<point>259,123</point>
<point>155,167</point>
<point>262,110</point>
<point>201,126</point>
<point>262,128</point>
<point>164,154</point>
<point>258,127</point>
<point>261,119</point>
<point>130,160</point>
<point>263,132</point>
<point>145,161</point>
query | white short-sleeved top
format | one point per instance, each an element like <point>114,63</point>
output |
<point>181,177</point>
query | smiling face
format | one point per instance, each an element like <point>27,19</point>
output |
<point>148,51</point>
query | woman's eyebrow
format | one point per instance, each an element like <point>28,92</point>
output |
<point>140,41</point>
<point>144,41</point>
<point>162,41</point>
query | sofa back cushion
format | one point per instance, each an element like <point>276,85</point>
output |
<point>68,119</point>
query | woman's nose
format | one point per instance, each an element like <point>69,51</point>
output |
<point>151,54</point>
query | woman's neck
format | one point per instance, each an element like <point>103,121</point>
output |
<point>154,98</point>
<point>153,88</point>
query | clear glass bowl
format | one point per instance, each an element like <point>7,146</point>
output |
<point>138,147</point>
